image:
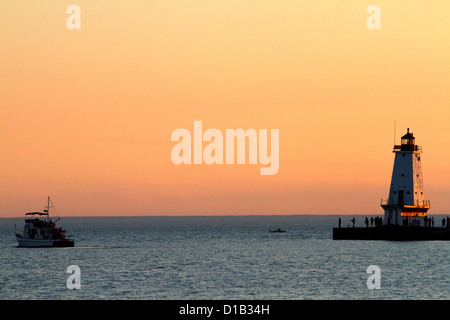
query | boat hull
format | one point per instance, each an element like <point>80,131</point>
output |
<point>41,243</point>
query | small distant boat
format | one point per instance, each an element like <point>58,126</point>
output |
<point>41,231</point>
<point>277,230</point>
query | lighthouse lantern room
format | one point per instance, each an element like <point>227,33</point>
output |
<point>406,204</point>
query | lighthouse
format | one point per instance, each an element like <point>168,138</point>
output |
<point>406,205</point>
<point>405,210</point>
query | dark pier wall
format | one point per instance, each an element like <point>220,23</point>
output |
<point>392,233</point>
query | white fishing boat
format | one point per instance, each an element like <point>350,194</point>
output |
<point>41,231</point>
<point>277,230</point>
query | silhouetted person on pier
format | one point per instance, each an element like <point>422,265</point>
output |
<point>371,221</point>
<point>443,222</point>
<point>353,221</point>
<point>367,222</point>
<point>340,222</point>
<point>379,221</point>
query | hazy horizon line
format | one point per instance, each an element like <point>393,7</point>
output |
<point>222,215</point>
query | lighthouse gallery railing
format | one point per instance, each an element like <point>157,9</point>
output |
<point>418,203</point>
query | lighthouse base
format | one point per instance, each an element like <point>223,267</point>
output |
<point>395,233</point>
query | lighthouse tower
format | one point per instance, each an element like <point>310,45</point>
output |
<point>406,204</point>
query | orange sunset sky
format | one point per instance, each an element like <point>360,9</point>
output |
<point>86,115</point>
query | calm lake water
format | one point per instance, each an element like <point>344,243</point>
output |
<point>231,257</point>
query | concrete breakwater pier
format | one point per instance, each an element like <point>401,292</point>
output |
<point>395,233</point>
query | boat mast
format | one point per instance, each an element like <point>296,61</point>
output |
<point>48,207</point>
